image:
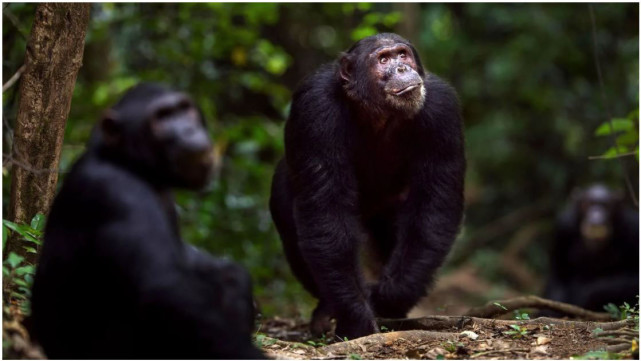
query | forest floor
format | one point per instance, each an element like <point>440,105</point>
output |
<point>459,337</point>
<point>430,337</point>
<point>443,326</point>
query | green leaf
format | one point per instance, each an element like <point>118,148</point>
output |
<point>25,270</point>
<point>20,282</point>
<point>29,249</point>
<point>38,222</point>
<point>4,236</point>
<point>14,260</point>
<point>18,295</point>
<point>12,226</point>
<point>29,234</point>
<point>617,125</point>
<point>628,138</point>
<point>500,305</point>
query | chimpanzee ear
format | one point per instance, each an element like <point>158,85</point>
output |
<point>110,127</point>
<point>346,67</point>
<point>417,60</point>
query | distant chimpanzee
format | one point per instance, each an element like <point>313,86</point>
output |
<point>115,280</point>
<point>595,257</point>
<point>374,161</point>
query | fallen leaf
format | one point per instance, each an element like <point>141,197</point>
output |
<point>469,334</point>
<point>543,340</point>
<point>543,350</point>
<point>434,353</point>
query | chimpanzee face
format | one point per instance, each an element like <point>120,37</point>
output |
<point>597,206</point>
<point>159,133</point>
<point>178,132</point>
<point>384,70</point>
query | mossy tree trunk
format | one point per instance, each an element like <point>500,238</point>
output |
<point>53,58</point>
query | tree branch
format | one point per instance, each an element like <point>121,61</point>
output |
<point>490,310</point>
<point>14,78</point>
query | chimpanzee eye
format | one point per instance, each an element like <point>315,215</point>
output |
<point>383,59</point>
<point>163,113</point>
<point>184,105</point>
<point>402,54</point>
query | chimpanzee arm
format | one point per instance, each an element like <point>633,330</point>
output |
<point>429,219</point>
<point>324,189</point>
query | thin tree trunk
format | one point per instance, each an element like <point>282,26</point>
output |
<point>408,27</point>
<point>53,58</point>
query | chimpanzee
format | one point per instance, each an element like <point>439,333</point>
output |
<point>595,257</point>
<point>374,162</point>
<point>115,280</point>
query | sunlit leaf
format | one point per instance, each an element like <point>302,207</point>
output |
<point>617,125</point>
<point>14,260</point>
<point>38,222</point>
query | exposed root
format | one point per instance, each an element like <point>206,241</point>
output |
<point>490,309</point>
<point>618,348</point>
<point>361,345</point>
<point>436,323</point>
<point>500,351</point>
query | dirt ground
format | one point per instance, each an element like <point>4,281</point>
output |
<point>289,339</point>
<point>443,326</point>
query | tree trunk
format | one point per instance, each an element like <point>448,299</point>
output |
<point>408,26</point>
<point>53,58</point>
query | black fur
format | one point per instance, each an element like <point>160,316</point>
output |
<point>607,273</point>
<point>357,170</point>
<point>115,280</point>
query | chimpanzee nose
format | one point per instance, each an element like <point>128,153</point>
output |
<point>401,69</point>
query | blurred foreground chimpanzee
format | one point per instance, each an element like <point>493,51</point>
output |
<point>595,257</point>
<point>374,164</point>
<point>115,280</point>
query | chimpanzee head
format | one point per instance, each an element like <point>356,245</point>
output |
<point>384,73</point>
<point>160,134</point>
<point>597,207</point>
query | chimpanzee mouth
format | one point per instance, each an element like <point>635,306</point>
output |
<point>406,89</point>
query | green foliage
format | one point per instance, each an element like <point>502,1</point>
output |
<point>516,331</point>
<point>354,356</point>
<point>597,355</point>
<point>17,274</point>
<point>530,115</point>
<point>373,21</point>
<point>451,346</point>
<point>261,340</point>
<point>518,315</point>
<point>499,306</point>
<point>30,233</point>
<point>626,133</point>
<point>623,312</point>
<point>322,341</point>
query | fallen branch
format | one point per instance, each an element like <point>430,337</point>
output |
<point>616,341</point>
<point>619,333</point>
<point>435,323</point>
<point>618,348</point>
<point>490,309</point>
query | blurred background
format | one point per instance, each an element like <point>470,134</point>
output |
<point>526,76</point>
